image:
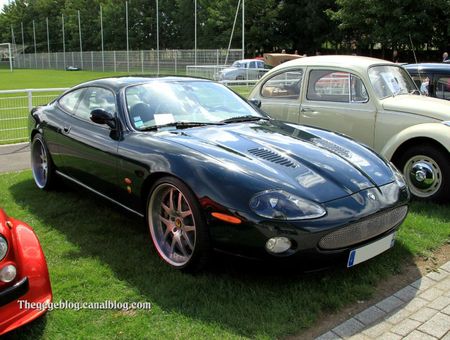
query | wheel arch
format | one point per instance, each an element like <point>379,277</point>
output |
<point>414,142</point>
<point>432,133</point>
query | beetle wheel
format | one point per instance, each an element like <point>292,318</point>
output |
<point>427,172</point>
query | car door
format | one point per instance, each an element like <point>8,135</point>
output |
<point>280,95</point>
<point>88,150</point>
<point>338,100</point>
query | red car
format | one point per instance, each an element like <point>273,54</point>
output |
<point>25,287</point>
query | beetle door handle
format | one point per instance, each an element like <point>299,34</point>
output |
<point>306,109</point>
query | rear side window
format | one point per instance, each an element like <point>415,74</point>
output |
<point>70,100</point>
<point>336,86</point>
<point>284,85</point>
<point>95,98</point>
<point>443,87</point>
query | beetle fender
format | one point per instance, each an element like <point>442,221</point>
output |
<point>435,131</point>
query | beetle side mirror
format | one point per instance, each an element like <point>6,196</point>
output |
<point>100,116</point>
<point>255,102</point>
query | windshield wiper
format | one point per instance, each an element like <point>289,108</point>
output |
<point>248,118</point>
<point>179,125</point>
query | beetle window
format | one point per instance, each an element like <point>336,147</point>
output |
<point>95,98</point>
<point>285,85</point>
<point>443,87</point>
<point>70,100</point>
<point>344,87</point>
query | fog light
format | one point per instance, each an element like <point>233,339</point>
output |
<point>8,273</point>
<point>278,244</point>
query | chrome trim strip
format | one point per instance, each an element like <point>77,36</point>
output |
<point>98,193</point>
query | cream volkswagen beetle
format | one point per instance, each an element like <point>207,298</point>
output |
<point>373,101</point>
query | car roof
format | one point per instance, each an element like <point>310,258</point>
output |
<point>118,83</point>
<point>247,60</point>
<point>355,62</point>
<point>437,67</point>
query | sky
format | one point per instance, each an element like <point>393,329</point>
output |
<point>3,2</point>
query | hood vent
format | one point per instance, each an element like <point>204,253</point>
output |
<point>272,156</point>
<point>330,146</point>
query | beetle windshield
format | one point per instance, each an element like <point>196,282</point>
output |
<point>390,80</point>
<point>159,103</point>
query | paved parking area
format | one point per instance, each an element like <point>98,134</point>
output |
<point>14,157</point>
<point>420,311</point>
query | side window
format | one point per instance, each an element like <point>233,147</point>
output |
<point>260,64</point>
<point>336,86</point>
<point>95,98</point>
<point>285,85</point>
<point>443,87</point>
<point>70,100</point>
<point>422,81</point>
<point>252,64</point>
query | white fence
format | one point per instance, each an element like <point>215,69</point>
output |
<point>15,106</point>
<point>166,62</point>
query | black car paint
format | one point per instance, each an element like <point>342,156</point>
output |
<point>215,164</point>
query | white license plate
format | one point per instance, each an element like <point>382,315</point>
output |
<point>366,252</point>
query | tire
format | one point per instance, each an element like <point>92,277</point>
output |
<point>177,227</point>
<point>427,172</point>
<point>41,164</point>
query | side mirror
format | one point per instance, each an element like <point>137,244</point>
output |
<point>255,102</point>
<point>100,116</point>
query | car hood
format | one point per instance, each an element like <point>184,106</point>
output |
<point>317,164</point>
<point>421,105</point>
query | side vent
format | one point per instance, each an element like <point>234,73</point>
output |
<point>272,156</point>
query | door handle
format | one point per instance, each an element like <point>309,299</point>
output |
<point>66,129</point>
<point>306,109</point>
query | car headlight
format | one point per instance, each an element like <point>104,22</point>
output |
<point>3,248</point>
<point>399,179</point>
<point>281,205</point>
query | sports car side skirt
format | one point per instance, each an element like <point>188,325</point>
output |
<point>98,193</point>
<point>14,292</point>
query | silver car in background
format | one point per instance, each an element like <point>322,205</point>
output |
<point>245,69</point>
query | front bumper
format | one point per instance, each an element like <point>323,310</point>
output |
<point>14,292</point>
<point>249,238</point>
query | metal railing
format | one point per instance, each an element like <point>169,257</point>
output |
<point>142,61</point>
<point>15,106</point>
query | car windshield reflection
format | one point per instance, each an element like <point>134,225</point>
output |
<point>390,81</point>
<point>158,103</point>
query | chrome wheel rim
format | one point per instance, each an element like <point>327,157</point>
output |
<point>172,225</point>
<point>39,163</point>
<point>423,176</point>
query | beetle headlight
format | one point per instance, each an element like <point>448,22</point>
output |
<point>3,248</point>
<point>399,179</point>
<point>281,205</point>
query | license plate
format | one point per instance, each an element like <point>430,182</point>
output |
<point>366,252</point>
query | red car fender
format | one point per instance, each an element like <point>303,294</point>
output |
<point>26,254</point>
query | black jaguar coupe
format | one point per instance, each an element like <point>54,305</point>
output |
<point>208,170</point>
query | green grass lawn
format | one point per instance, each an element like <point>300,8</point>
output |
<point>96,252</point>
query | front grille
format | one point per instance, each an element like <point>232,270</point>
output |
<point>272,156</point>
<point>363,230</point>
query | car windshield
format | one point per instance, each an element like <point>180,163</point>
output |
<point>390,80</point>
<point>237,64</point>
<point>159,103</point>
